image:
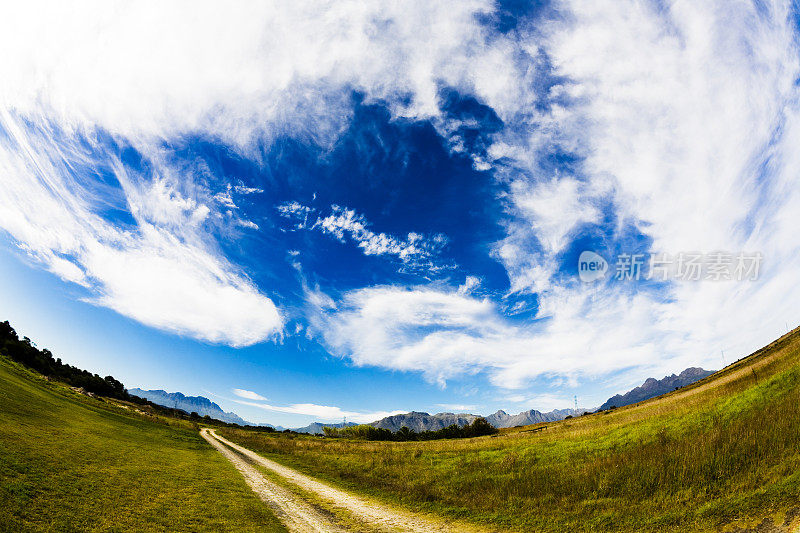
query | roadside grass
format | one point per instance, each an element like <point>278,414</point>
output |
<point>340,515</point>
<point>73,463</point>
<point>345,517</point>
<point>722,452</point>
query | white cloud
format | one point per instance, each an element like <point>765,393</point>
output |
<point>685,118</point>
<point>457,407</point>
<point>677,107</point>
<point>248,395</point>
<point>238,71</point>
<point>445,334</point>
<point>542,402</point>
<point>243,189</point>
<point>674,110</point>
<point>678,111</point>
<point>580,334</point>
<point>553,208</point>
<point>471,283</point>
<point>163,269</point>
<point>145,73</point>
<point>324,412</point>
<point>414,251</point>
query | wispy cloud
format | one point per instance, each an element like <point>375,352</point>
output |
<point>142,87</point>
<point>143,81</point>
<point>541,402</point>
<point>161,267</point>
<point>457,407</point>
<point>325,413</point>
<point>679,123</point>
<point>414,251</point>
<point>638,105</point>
<point>445,334</point>
<point>248,395</point>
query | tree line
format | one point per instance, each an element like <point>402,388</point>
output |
<point>478,428</point>
<point>25,352</point>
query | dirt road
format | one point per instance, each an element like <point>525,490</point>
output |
<point>295,514</point>
<point>302,514</point>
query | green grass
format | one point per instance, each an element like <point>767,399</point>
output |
<point>725,450</point>
<point>73,463</point>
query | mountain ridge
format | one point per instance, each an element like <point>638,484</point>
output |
<point>422,421</point>
<point>656,387</point>
<point>316,428</point>
<point>198,404</point>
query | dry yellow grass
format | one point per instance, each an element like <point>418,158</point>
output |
<point>724,450</point>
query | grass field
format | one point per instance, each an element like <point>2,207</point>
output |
<point>720,454</point>
<point>73,463</point>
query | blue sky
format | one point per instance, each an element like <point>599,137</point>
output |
<point>306,213</point>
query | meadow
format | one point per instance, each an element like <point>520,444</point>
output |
<point>69,462</point>
<point>720,454</point>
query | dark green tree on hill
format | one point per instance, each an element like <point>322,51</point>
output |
<point>25,352</point>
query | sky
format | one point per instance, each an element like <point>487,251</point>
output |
<point>316,211</point>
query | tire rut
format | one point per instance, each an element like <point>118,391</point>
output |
<point>375,515</point>
<point>297,515</point>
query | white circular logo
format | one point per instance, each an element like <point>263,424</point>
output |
<point>591,266</point>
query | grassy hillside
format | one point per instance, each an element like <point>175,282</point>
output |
<point>716,455</point>
<point>73,463</point>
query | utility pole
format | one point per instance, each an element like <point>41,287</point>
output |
<point>576,404</point>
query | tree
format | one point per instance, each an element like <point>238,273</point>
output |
<point>479,428</point>
<point>405,434</point>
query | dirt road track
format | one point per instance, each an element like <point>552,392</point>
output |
<point>295,514</point>
<point>299,515</point>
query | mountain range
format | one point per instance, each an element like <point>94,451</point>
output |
<point>656,387</point>
<point>420,421</point>
<point>315,428</point>
<point>198,404</point>
<point>501,419</point>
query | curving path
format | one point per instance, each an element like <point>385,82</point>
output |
<point>298,515</point>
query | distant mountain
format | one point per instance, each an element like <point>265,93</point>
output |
<point>198,404</point>
<point>419,421</point>
<point>501,419</point>
<point>315,428</point>
<point>656,387</point>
